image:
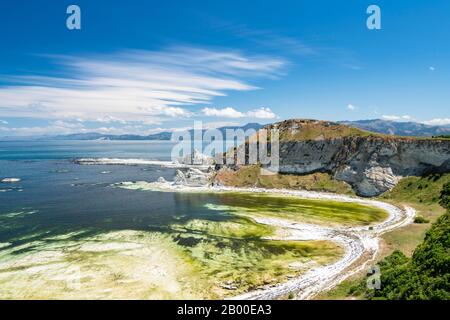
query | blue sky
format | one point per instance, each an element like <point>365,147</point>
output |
<point>146,66</point>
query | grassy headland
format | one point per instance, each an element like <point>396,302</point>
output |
<point>424,276</point>
<point>418,266</point>
<point>249,176</point>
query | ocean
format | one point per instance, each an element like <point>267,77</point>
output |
<point>69,231</point>
<point>67,197</point>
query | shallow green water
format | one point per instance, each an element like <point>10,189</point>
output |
<point>306,210</point>
<point>67,232</point>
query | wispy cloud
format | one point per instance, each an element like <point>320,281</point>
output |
<point>56,127</point>
<point>397,118</point>
<point>267,38</point>
<point>261,113</point>
<point>67,127</point>
<point>437,122</point>
<point>146,86</point>
<point>289,45</point>
<point>3,122</point>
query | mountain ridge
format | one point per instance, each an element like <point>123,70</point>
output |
<point>91,136</point>
<point>371,163</point>
<point>374,126</point>
<point>412,129</point>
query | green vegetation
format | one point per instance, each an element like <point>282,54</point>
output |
<point>184,263</point>
<point>419,190</point>
<point>114,265</point>
<point>420,220</point>
<point>239,227</point>
<point>237,255</point>
<point>409,243</point>
<point>295,130</point>
<point>422,193</point>
<point>250,176</point>
<point>444,199</point>
<point>189,258</point>
<point>239,265</point>
<point>425,276</point>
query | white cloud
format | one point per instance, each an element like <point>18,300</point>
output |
<point>397,118</point>
<point>63,127</point>
<point>57,127</point>
<point>150,86</point>
<point>205,125</point>
<point>261,113</point>
<point>351,107</point>
<point>390,117</point>
<point>219,124</point>
<point>225,112</point>
<point>3,122</point>
<point>437,122</point>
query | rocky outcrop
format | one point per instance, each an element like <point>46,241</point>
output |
<point>197,158</point>
<point>192,177</point>
<point>198,170</point>
<point>371,163</point>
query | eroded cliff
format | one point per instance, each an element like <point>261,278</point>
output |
<point>371,163</point>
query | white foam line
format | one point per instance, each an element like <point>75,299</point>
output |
<point>135,162</point>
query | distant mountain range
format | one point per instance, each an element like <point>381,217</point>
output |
<point>412,129</point>
<point>100,136</point>
<point>157,136</point>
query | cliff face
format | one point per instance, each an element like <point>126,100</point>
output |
<point>370,163</point>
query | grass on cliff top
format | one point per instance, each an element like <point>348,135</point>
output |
<point>296,129</point>
<point>250,176</point>
<point>423,190</point>
<point>422,193</point>
<point>305,129</point>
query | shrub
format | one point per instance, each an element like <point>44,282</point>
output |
<point>420,219</point>
<point>425,276</point>
<point>445,196</point>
